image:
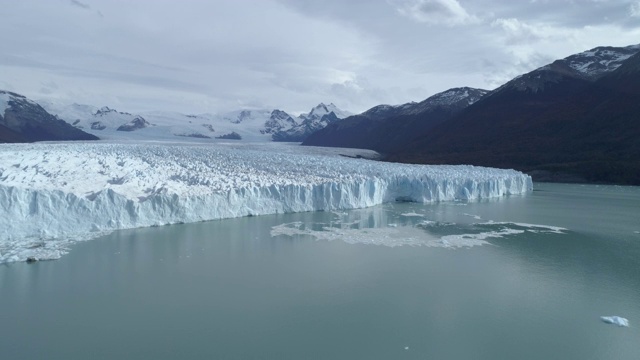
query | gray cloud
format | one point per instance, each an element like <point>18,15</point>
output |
<point>80,4</point>
<point>518,32</point>
<point>447,12</point>
<point>217,55</point>
<point>634,9</point>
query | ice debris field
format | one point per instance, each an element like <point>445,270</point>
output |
<point>57,193</point>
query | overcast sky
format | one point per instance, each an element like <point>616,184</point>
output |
<point>219,55</point>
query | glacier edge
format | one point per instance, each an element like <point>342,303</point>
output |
<point>40,217</point>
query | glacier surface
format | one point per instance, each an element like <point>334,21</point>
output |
<point>52,194</point>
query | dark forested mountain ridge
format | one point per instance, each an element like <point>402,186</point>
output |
<point>387,128</point>
<point>555,123</point>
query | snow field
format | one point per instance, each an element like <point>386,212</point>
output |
<point>53,192</point>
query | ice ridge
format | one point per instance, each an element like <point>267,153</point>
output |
<point>50,192</point>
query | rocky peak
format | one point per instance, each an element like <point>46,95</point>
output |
<point>595,63</point>
<point>104,111</point>
<point>321,110</point>
<point>280,115</point>
<point>278,121</point>
<point>137,123</point>
<point>456,96</point>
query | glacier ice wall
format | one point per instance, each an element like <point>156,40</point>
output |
<point>52,192</point>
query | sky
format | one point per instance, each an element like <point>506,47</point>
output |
<point>212,56</point>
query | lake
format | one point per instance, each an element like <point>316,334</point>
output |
<point>520,277</point>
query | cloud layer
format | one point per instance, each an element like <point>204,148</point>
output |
<point>211,56</point>
<point>436,12</point>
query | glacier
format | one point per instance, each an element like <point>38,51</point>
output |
<point>53,194</point>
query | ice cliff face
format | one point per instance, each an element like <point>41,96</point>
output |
<point>53,192</point>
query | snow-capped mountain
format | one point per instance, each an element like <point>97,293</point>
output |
<point>594,63</point>
<point>247,124</point>
<point>454,98</point>
<point>136,124</point>
<point>278,121</point>
<point>87,117</point>
<point>385,127</point>
<point>318,118</point>
<point>588,65</point>
<point>321,110</point>
<point>457,97</point>
<point>23,120</point>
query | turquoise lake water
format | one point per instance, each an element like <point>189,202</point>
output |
<point>521,277</point>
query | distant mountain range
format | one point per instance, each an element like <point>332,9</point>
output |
<point>23,120</point>
<point>576,119</point>
<point>250,125</point>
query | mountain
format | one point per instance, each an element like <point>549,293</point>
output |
<point>278,121</point>
<point>576,119</point>
<point>9,136</point>
<point>318,118</point>
<point>386,128</point>
<point>22,120</point>
<point>248,124</point>
<point>321,110</point>
<point>136,124</point>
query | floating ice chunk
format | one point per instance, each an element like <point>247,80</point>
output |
<point>425,224</point>
<point>615,320</point>
<point>412,214</point>
<point>385,236</point>
<point>390,236</point>
<point>530,227</point>
<point>477,217</point>
<point>469,240</point>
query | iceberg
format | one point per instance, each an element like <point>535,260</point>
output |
<point>615,320</point>
<point>55,193</point>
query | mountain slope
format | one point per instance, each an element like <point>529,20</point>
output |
<point>9,136</point>
<point>556,123</point>
<point>385,128</point>
<point>22,120</point>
